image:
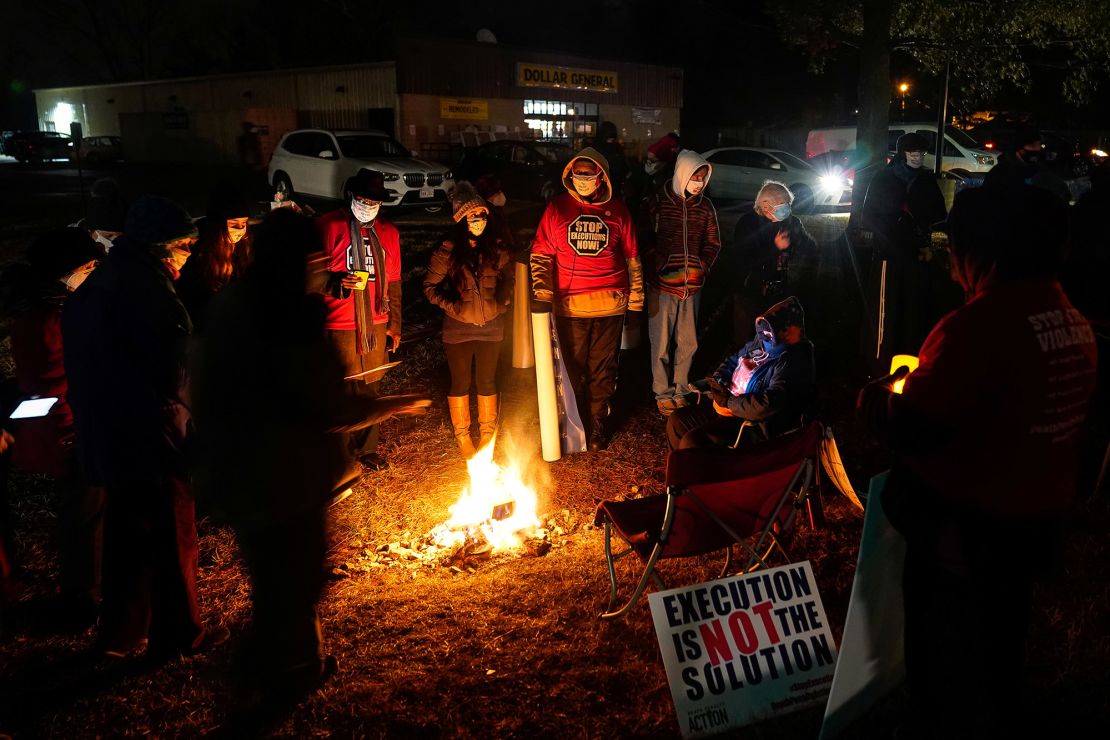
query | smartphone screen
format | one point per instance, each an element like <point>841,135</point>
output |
<point>33,408</point>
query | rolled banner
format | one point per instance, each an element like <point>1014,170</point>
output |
<point>545,388</point>
<point>523,355</point>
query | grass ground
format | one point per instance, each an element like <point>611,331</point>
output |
<point>512,646</point>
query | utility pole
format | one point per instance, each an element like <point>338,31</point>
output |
<point>942,120</point>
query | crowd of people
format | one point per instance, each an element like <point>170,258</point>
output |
<point>187,356</point>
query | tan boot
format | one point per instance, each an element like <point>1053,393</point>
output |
<point>487,418</point>
<point>459,406</point>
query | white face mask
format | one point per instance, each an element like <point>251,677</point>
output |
<point>363,213</point>
<point>497,199</point>
<point>585,188</point>
<point>915,159</point>
<point>652,166</point>
<point>476,226</point>
<point>177,259</point>
<point>694,187</point>
<point>73,280</point>
<point>104,241</point>
<point>235,233</point>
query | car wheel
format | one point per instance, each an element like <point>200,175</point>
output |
<point>803,199</point>
<point>280,178</point>
<point>547,192</point>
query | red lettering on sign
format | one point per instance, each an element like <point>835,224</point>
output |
<point>764,611</point>
<point>716,641</point>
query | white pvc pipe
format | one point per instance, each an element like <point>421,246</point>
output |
<point>523,355</point>
<point>545,387</point>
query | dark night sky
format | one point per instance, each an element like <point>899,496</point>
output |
<point>738,72</point>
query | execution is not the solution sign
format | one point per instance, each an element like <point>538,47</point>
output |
<point>744,648</point>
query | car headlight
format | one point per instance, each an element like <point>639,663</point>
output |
<point>390,176</point>
<point>1101,154</point>
<point>984,160</point>
<point>832,183</point>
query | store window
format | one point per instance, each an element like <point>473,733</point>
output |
<point>561,120</point>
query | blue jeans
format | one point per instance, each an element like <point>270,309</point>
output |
<point>672,328</point>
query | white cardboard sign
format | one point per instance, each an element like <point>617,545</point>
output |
<point>744,648</point>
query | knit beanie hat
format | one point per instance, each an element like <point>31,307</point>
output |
<point>107,210</point>
<point>787,312</point>
<point>226,202</point>
<point>156,220</point>
<point>57,253</point>
<point>465,200</point>
<point>666,149</point>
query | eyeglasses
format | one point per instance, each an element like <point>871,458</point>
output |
<point>583,177</point>
<point>479,216</point>
<point>367,202</point>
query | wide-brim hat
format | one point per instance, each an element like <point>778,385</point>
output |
<point>57,253</point>
<point>156,220</point>
<point>369,184</point>
<point>226,202</point>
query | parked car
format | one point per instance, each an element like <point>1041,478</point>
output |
<point>38,146</point>
<point>739,172</point>
<point>319,161</point>
<point>96,150</point>
<point>962,154</point>
<point>526,169</point>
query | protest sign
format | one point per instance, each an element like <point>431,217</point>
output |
<point>744,648</point>
<point>871,662</point>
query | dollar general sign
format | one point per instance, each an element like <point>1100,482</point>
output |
<point>571,78</point>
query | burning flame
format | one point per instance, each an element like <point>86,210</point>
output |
<point>497,506</point>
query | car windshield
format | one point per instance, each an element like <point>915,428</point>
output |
<point>791,161</point>
<point>554,152</point>
<point>960,137</point>
<point>370,146</point>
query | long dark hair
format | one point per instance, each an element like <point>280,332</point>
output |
<point>218,260</point>
<point>486,251</point>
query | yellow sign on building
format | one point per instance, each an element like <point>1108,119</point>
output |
<point>466,110</point>
<point>542,75</point>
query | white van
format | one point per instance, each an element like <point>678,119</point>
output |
<point>962,155</point>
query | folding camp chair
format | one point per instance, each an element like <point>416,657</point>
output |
<point>716,498</point>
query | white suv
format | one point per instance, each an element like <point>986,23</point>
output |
<point>319,161</point>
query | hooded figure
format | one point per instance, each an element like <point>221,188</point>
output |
<point>585,266</point>
<point>902,204</point>
<point>680,239</point>
<point>771,381</point>
<point>125,333</point>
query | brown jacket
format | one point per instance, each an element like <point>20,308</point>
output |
<point>473,300</point>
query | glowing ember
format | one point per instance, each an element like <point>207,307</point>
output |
<point>496,508</point>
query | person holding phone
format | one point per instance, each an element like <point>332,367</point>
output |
<point>58,262</point>
<point>363,292</point>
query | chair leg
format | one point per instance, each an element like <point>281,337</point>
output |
<point>609,565</point>
<point>649,574</point>
<point>728,563</point>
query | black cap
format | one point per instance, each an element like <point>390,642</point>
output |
<point>226,201</point>
<point>155,220</point>
<point>912,142</point>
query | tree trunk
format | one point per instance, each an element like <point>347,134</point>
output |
<point>874,97</point>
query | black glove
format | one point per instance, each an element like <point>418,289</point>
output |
<point>718,392</point>
<point>541,306</point>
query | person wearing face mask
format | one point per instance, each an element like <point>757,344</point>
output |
<point>272,414</point>
<point>470,277</point>
<point>902,204</point>
<point>125,332</point>
<point>986,438</point>
<point>586,267</point>
<point>756,264</point>
<point>771,382</point>
<point>221,254</point>
<point>35,295</point>
<point>363,293</point>
<point>680,240</point>
<point>656,169</point>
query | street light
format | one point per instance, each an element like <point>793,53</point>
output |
<point>904,88</point>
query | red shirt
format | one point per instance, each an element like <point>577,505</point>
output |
<point>1010,375</point>
<point>591,245</point>
<point>335,229</point>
